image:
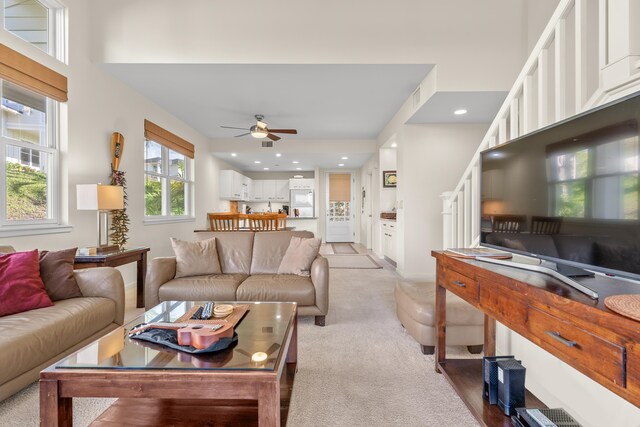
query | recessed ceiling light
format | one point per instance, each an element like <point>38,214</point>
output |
<point>460,112</point>
<point>278,155</point>
<point>340,164</point>
<point>257,162</point>
<point>298,169</point>
<point>295,162</point>
<point>344,158</point>
<point>233,154</point>
<point>394,144</point>
<point>266,169</point>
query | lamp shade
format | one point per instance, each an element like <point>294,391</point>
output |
<point>98,197</point>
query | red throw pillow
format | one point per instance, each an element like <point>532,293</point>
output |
<point>21,288</point>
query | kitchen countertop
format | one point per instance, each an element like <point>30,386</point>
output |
<point>289,218</point>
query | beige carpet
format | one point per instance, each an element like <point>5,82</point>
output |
<point>362,261</point>
<point>362,369</point>
<point>343,248</point>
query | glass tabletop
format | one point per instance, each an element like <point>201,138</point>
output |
<point>262,329</point>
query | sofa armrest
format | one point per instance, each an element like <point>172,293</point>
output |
<point>320,280</point>
<point>159,271</point>
<point>105,282</point>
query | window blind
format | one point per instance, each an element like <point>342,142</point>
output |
<point>339,187</point>
<point>17,68</point>
<point>162,136</point>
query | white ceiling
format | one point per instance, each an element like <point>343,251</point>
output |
<point>481,107</point>
<point>245,161</point>
<point>320,101</point>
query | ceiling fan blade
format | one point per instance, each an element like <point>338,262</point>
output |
<point>229,127</point>
<point>243,134</point>
<point>273,137</point>
<point>291,131</point>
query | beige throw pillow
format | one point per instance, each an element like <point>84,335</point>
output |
<point>196,258</point>
<point>299,256</point>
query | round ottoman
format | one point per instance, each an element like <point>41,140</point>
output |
<point>415,308</point>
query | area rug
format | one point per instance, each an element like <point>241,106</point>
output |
<point>343,249</point>
<point>362,369</point>
<point>352,261</point>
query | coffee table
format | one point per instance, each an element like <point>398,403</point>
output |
<point>160,386</point>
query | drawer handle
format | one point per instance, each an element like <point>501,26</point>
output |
<point>556,336</point>
<point>459,283</point>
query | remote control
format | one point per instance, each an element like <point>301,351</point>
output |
<point>197,314</point>
<point>207,312</point>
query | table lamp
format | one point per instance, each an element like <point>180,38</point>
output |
<point>103,199</point>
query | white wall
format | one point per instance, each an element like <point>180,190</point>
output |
<point>388,161</point>
<point>370,225</point>
<point>99,105</point>
<point>431,159</point>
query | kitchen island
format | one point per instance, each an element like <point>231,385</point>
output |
<point>304,223</point>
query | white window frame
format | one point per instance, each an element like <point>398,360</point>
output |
<point>166,189</point>
<point>56,29</point>
<point>15,227</point>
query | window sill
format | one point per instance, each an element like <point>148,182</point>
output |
<point>33,230</point>
<point>165,220</point>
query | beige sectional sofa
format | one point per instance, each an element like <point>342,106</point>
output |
<point>32,340</point>
<point>249,263</point>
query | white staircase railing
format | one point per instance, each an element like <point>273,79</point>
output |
<point>588,54</point>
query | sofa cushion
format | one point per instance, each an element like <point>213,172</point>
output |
<point>196,258</point>
<point>21,288</point>
<point>269,249</point>
<point>220,287</point>
<point>277,287</point>
<point>33,337</point>
<point>56,270</point>
<point>234,250</point>
<point>299,256</point>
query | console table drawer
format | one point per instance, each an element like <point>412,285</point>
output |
<point>578,347</point>
<point>461,285</point>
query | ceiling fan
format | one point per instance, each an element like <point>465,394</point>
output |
<point>260,130</point>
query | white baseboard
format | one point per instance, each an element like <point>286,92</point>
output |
<point>417,276</point>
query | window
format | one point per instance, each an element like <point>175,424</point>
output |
<point>30,154</point>
<point>168,180</point>
<point>37,22</point>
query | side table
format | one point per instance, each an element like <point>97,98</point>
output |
<point>116,258</point>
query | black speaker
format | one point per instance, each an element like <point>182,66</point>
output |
<point>490,374</point>
<point>510,385</point>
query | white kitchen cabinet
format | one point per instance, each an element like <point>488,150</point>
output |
<point>257,190</point>
<point>301,183</point>
<point>234,185</point>
<point>389,241</point>
<point>270,192</point>
<point>282,190</point>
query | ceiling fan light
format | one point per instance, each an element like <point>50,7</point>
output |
<point>258,133</point>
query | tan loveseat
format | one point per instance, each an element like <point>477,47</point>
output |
<point>249,263</point>
<point>32,340</point>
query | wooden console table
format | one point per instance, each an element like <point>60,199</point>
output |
<point>115,259</point>
<point>568,324</point>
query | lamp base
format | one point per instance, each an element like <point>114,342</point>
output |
<point>97,250</point>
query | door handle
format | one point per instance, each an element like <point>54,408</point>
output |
<point>556,336</point>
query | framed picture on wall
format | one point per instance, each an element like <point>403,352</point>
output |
<point>389,179</point>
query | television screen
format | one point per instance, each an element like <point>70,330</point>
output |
<point>569,193</point>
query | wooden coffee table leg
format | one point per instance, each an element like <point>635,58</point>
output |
<point>269,404</point>
<point>54,410</point>
<point>292,354</point>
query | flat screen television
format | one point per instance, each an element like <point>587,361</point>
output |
<point>569,193</point>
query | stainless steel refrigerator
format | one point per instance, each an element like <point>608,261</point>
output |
<point>301,203</point>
